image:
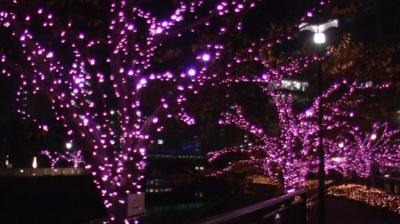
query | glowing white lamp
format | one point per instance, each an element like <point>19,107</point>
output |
<point>68,145</point>
<point>319,38</point>
<point>319,29</point>
<point>34,163</point>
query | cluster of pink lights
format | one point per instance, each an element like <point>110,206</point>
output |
<point>359,150</point>
<point>292,153</point>
<point>74,157</point>
<point>77,86</point>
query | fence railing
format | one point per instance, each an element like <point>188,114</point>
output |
<point>26,172</point>
<point>293,208</point>
<point>388,184</point>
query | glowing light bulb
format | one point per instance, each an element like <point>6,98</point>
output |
<point>309,113</point>
<point>155,120</point>
<point>34,163</point>
<point>192,72</point>
<point>319,38</point>
<point>68,145</point>
<point>50,55</point>
<point>205,57</point>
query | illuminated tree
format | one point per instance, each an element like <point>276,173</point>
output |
<point>347,147</point>
<point>74,157</point>
<point>358,150</point>
<point>350,60</point>
<point>292,150</point>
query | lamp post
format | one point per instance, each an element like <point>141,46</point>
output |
<point>320,39</point>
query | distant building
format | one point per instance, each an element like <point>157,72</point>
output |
<point>290,85</point>
<point>170,168</point>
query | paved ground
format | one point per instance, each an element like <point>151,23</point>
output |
<point>342,211</point>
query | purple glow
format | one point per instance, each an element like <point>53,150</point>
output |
<point>192,72</point>
<point>206,57</point>
<point>75,157</point>
<point>274,154</point>
<point>49,55</point>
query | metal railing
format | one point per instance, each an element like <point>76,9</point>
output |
<point>297,206</point>
<point>390,184</point>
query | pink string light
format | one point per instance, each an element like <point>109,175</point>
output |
<point>292,152</point>
<point>74,157</point>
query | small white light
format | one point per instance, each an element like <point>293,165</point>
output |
<point>34,163</point>
<point>341,145</point>
<point>373,136</point>
<point>205,57</point>
<point>192,72</point>
<point>338,159</point>
<point>143,81</point>
<point>92,61</point>
<point>159,30</point>
<point>68,145</point>
<point>50,55</point>
<point>291,191</point>
<point>319,38</point>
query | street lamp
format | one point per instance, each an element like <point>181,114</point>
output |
<point>320,40</point>
<point>319,29</point>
